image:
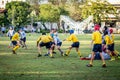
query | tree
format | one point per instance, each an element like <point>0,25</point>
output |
<point>51,13</point>
<point>3,19</point>
<point>99,9</point>
<point>18,12</point>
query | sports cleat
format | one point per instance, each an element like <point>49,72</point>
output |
<point>65,54</point>
<point>112,59</point>
<point>89,65</point>
<point>80,56</point>
<point>62,54</point>
<point>104,65</point>
<point>39,55</point>
<point>46,55</point>
<point>14,52</point>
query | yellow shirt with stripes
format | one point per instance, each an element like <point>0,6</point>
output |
<point>72,38</point>
<point>97,37</point>
<point>15,37</point>
<point>45,39</point>
<point>109,40</point>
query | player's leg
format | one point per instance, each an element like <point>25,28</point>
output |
<point>103,61</point>
<point>102,58</point>
<point>109,51</point>
<point>77,44</point>
<point>68,51</point>
<point>59,48</point>
<point>78,51</point>
<point>94,50</point>
<point>24,42</point>
<point>50,46</point>
<point>39,49</point>
<point>16,46</point>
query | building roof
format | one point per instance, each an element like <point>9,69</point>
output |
<point>114,1</point>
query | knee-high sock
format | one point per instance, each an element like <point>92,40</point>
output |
<point>51,55</point>
<point>15,48</point>
<point>79,54</point>
<point>67,52</point>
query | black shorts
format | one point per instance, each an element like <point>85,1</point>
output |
<point>97,48</point>
<point>59,44</point>
<point>47,45</point>
<point>14,43</point>
<point>23,39</point>
<point>111,47</point>
<point>3,32</point>
<point>75,44</point>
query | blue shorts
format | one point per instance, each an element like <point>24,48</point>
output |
<point>111,47</point>
<point>14,43</point>
<point>47,45</point>
<point>75,44</point>
<point>23,39</point>
<point>97,48</point>
<point>59,44</point>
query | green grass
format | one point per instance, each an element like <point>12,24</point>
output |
<point>26,66</point>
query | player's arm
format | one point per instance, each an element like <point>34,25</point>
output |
<point>107,41</point>
<point>51,39</point>
<point>38,41</point>
<point>93,38</point>
<point>69,38</point>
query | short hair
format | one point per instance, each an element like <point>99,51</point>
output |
<point>43,33</point>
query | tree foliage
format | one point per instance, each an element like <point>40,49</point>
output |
<point>3,19</point>
<point>99,9</point>
<point>51,13</point>
<point>18,12</point>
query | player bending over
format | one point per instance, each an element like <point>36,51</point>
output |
<point>45,40</point>
<point>15,41</point>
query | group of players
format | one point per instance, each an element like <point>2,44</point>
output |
<point>17,39</point>
<point>99,43</point>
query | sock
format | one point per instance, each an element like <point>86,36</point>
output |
<point>79,53</point>
<point>67,52</point>
<point>90,62</point>
<point>60,50</point>
<point>116,52</point>
<point>15,48</point>
<point>51,55</point>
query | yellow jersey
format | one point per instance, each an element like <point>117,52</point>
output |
<point>72,38</point>
<point>45,39</point>
<point>109,40</point>
<point>112,37</point>
<point>96,37</point>
<point>15,37</point>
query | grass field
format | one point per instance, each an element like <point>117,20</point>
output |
<point>26,66</point>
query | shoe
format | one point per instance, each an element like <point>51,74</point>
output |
<point>39,55</point>
<point>89,65</point>
<point>65,54</point>
<point>46,55</point>
<point>13,52</point>
<point>104,65</point>
<point>112,59</point>
<point>62,54</point>
<point>54,52</point>
<point>80,56</point>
